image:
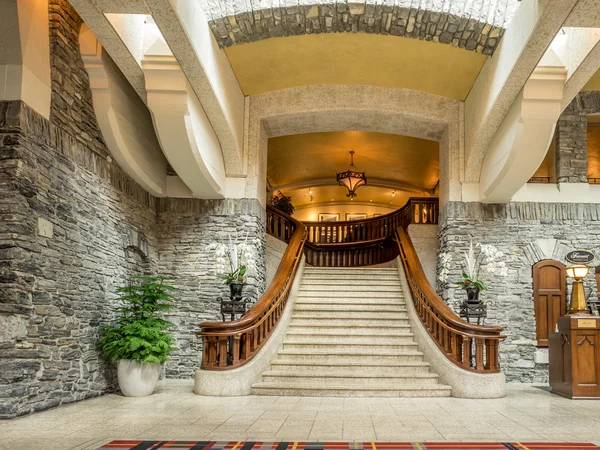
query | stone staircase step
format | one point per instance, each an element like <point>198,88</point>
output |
<point>363,288</point>
<point>377,328</point>
<point>359,340</point>
<point>339,308</point>
<point>325,321</point>
<point>329,293</point>
<point>378,367</point>
<point>326,377</point>
<point>372,347</point>
<point>312,314</point>
<point>351,355</point>
<point>352,282</point>
<point>399,301</point>
<point>351,390</point>
<point>365,339</point>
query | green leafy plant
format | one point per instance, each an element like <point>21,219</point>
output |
<point>283,203</point>
<point>468,281</point>
<point>140,333</point>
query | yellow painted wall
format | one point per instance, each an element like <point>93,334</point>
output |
<point>354,58</point>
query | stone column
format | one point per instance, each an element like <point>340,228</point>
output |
<point>571,146</point>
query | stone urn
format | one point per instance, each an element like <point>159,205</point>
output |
<point>235,289</point>
<point>137,379</point>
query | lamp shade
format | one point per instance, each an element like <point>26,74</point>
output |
<point>351,179</point>
<point>578,272</point>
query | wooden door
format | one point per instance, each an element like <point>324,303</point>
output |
<point>549,297</point>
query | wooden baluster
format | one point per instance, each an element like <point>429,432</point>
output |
<point>491,353</point>
<point>223,340</point>
<point>456,347</point>
<point>466,353</point>
<point>479,354</point>
<point>236,349</point>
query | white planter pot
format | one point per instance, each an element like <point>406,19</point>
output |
<point>137,380</point>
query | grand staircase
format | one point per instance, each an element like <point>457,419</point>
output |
<point>350,336</point>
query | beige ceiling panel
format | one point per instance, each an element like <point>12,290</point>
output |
<point>354,58</point>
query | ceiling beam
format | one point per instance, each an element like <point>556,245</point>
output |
<point>121,53</point>
<point>374,182</point>
<point>582,58</point>
<point>503,76</point>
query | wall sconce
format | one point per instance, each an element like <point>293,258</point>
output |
<point>578,303</point>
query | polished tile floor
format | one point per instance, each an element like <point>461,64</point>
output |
<point>527,413</point>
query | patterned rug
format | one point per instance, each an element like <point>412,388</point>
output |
<point>235,445</point>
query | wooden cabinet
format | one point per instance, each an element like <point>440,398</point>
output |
<point>574,353</point>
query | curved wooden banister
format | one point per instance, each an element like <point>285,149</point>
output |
<point>227,345</point>
<point>472,347</point>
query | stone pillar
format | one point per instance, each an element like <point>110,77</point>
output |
<point>571,146</point>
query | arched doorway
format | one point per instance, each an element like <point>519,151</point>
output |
<point>549,297</point>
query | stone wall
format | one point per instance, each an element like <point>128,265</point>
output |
<point>74,226</point>
<point>571,155</point>
<point>186,227</point>
<point>526,233</point>
<point>478,28</point>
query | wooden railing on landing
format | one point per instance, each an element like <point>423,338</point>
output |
<point>363,242</point>
<point>227,345</point>
<point>472,347</point>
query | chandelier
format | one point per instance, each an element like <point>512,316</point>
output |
<point>351,179</point>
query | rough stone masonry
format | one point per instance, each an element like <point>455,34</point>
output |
<point>526,233</point>
<point>74,226</point>
<point>477,25</point>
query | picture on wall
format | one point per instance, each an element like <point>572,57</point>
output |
<point>329,217</point>
<point>356,216</point>
<point>328,234</point>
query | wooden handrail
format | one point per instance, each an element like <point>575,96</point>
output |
<point>227,345</point>
<point>469,346</point>
<point>418,210</point>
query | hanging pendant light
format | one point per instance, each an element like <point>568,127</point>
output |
<point>351,179</point>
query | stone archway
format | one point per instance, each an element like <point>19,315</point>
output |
<point>311,109</point>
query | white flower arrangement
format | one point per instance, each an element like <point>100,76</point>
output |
<point>232,262</point>
<point>489,258</point>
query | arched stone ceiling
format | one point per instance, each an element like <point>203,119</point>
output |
<point>475,25</point>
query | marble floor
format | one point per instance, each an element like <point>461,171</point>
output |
<point>527,413</point>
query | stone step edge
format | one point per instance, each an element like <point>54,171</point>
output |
<point>361,344</point>
<point>333,325</point>
<point>396,364</point>
<point>341,374</point>
<point>350,352</point>
<point>357,387</point>
<point>325,335</point>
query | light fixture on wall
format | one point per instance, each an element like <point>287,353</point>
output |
<point>578,303</point>
<point>351,179</point>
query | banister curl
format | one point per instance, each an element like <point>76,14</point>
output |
<point>227,345</point>
<point>470,346</point>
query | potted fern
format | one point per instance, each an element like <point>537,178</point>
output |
<point>139,341</point>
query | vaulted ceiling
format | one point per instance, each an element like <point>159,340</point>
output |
<point>391,162</point>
